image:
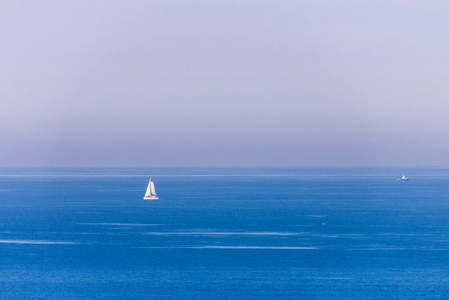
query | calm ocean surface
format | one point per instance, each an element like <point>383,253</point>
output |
<point>224,233</point>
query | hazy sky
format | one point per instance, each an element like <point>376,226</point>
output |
<point>224,83</point>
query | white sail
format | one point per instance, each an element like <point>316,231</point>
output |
<point>150,194</point>
<point>153,191</point>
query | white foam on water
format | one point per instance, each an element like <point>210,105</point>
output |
<point>255,233</point>
<point>399,249</point>
<point>343,235</point>
<point>211,233</point>
<point>35,242</point>
<point>118,224</point>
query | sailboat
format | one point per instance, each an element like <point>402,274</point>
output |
<point>150,194</point>
<point>403,178</point>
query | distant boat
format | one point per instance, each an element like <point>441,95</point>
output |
<point>151,192</point>
<point>403,178</point>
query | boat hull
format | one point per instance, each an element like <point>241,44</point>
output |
<point>401,179</point>
<point>150,198</point>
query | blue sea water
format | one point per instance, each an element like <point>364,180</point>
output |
<point>224,233</point>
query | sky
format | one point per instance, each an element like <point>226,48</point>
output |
<point>224,83</point>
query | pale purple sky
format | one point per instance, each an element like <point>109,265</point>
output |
<point>224,83</point>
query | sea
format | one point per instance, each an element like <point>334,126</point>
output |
<point>224,233</point>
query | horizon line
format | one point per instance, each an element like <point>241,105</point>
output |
<point>216,167</point>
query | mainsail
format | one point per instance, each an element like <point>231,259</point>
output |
<point>150,194</point>
<point>153,191</point>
